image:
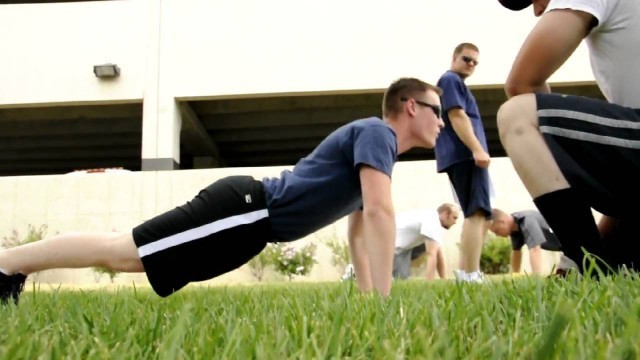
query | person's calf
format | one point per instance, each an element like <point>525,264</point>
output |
<point>471,241</point>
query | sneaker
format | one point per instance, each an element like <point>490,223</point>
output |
<point>472,277</point>
<point>11,286</point>
<point>349,273</point>
<point>476,277</point>
<point>565,266</point>
<point>460,275</point>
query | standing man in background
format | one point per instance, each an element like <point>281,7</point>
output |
<point>461,152</point>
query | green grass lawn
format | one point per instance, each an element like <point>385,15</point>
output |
<point>517,318</point>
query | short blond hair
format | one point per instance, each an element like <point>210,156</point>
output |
<point>448,208</point>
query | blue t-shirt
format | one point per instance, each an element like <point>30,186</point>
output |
<point>450,149</point>
<point>325,186</point>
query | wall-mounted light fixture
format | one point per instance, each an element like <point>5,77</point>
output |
<point>106,71</point>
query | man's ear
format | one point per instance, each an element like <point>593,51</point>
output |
<point>411,108</point>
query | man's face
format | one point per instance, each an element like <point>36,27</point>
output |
<point>465,62</point>
<point>450,219</point>
<point>500,227</point>
<point>427,118</point>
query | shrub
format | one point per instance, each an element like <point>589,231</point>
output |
<point>290,261</point>
<point>260,262</point>
<point>33,234</point>
<point>340,255</point>
<point>496,255</point>
<point>101,270</point>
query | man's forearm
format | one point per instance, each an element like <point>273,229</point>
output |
<point>358,251</point>
<point>379,232</point>
<point>462,126</point>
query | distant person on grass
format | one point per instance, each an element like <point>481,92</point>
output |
<point>233,219</point>
<point>529,228</point>
<point>422,227</point>
<point>419,231</point>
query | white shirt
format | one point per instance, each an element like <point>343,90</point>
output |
<point>614,46</point>
<point>414,225</point>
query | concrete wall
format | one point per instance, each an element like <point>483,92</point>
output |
<point>119,201</point>
<point>202,49</point>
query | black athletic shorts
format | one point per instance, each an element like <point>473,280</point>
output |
<point>418,251</point>
<point>622,242</point>
<point>222,228</point>
<point>597,147</point>
<point>472,187</point>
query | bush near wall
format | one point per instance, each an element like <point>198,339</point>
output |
<point>340,255</point>
<point>496,255</point>
<point>33,234</point>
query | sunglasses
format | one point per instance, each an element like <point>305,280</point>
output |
<point>436,109</point>
<point>469,60</point>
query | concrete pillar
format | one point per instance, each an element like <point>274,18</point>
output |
<point>161,120</point>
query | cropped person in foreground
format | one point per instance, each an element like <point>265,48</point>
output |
<point>575,153</point>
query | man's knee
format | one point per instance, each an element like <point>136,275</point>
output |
<point>477,218</point>
<point>121,254</point>
<point>516,114</point>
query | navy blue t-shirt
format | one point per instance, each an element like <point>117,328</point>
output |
<point>325,186</point>
<point>450,149</point>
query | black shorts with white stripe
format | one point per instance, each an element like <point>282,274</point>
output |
<point>220,229</point>
<point>597,147</point>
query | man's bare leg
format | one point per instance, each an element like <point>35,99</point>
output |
<point>471,240</point>
<point>115,251</point>
<point>535,257</point>
<point>530,155</point>
<point>516,261</point>
<point>562,207</point>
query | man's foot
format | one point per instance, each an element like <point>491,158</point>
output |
<point>472,277</point>
<point>349,273</point>
<point>10,287</point>
<point>477,277</point>
<point>460,275</point>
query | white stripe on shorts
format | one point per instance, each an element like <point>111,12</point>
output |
<point>590,118</point>
<point>201,231</point>
<point>585,136</point>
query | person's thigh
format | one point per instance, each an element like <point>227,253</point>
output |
<point>597,147</point>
